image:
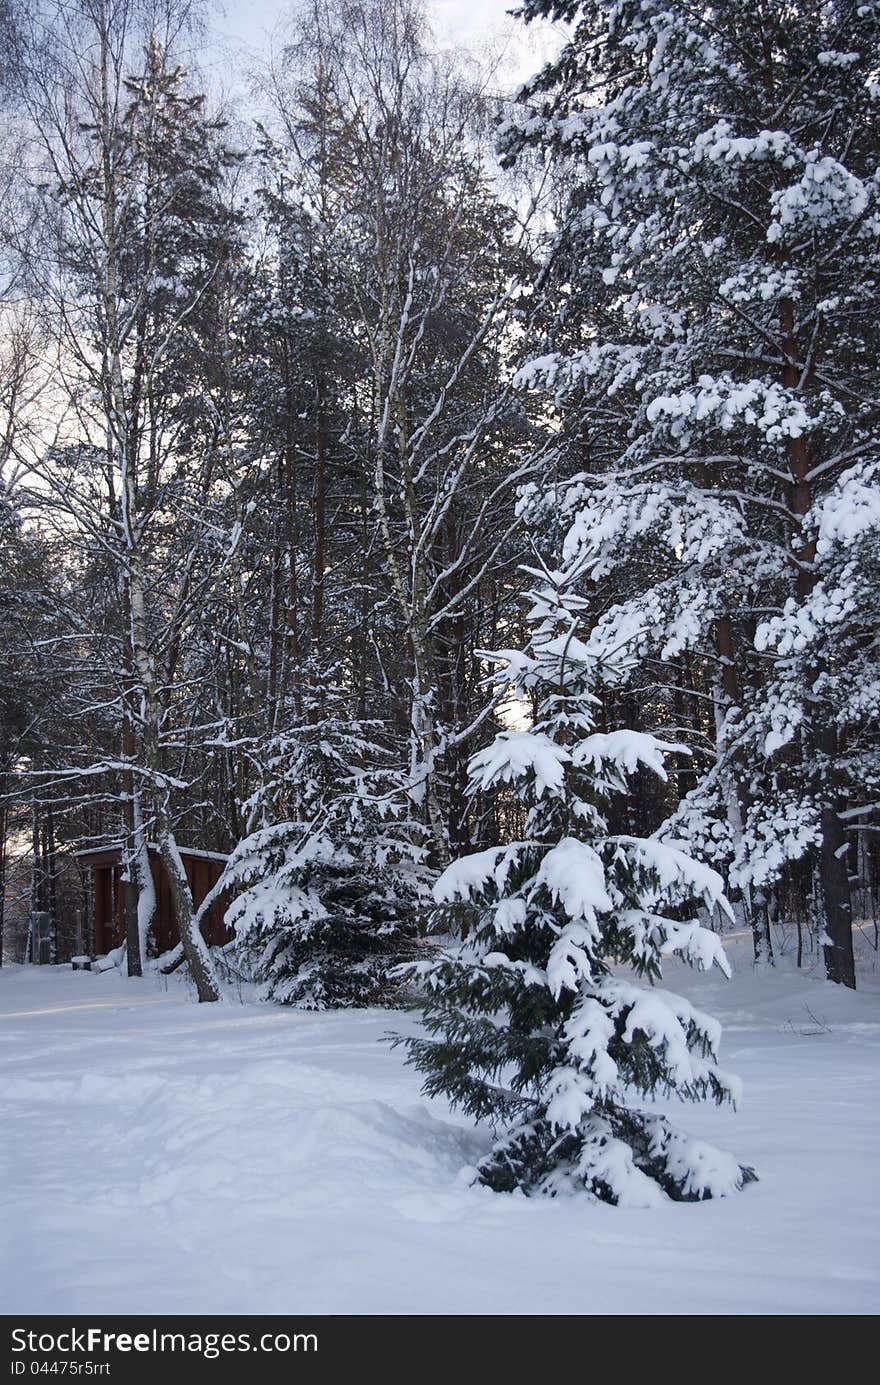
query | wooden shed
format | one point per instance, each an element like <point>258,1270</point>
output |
<point>104,867</point>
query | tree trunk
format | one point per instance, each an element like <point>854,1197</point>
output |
<point>133,953</point>
<point>727,696</point>
<point>833,890</point>
<point>195,949</point>
<point>319,556</point>
<point>146,889</point>
<point>835,901</point>
<point>3,851</point>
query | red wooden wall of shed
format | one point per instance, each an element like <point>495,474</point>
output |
<point>202,872</point>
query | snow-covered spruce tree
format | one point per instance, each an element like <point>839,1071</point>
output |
<point>712,342</point>
<point>533,1027</point>
<point>330,881</point>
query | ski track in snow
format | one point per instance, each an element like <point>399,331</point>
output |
<point>165,1157</point>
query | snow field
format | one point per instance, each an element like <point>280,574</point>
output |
<point>165,1157</point>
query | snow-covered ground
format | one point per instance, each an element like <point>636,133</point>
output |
<point>164,1157</point>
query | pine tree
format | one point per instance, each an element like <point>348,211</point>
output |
<point>711,341</point>
<point>533,1026</point>
<point>333,891</point>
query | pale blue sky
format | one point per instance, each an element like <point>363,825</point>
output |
<point>471,24</point>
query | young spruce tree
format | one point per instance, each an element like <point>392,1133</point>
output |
<point>532,1025</point>
<point>331,879</point>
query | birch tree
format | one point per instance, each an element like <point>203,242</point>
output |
<point>133,210</point>
<point>387,142</point>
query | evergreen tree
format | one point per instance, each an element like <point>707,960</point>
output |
<point>533,1026</point>
<point>711,339</point>
<point>331,879</point>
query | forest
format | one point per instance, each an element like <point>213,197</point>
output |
<point>298,406</point>
<point>439,600</point>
